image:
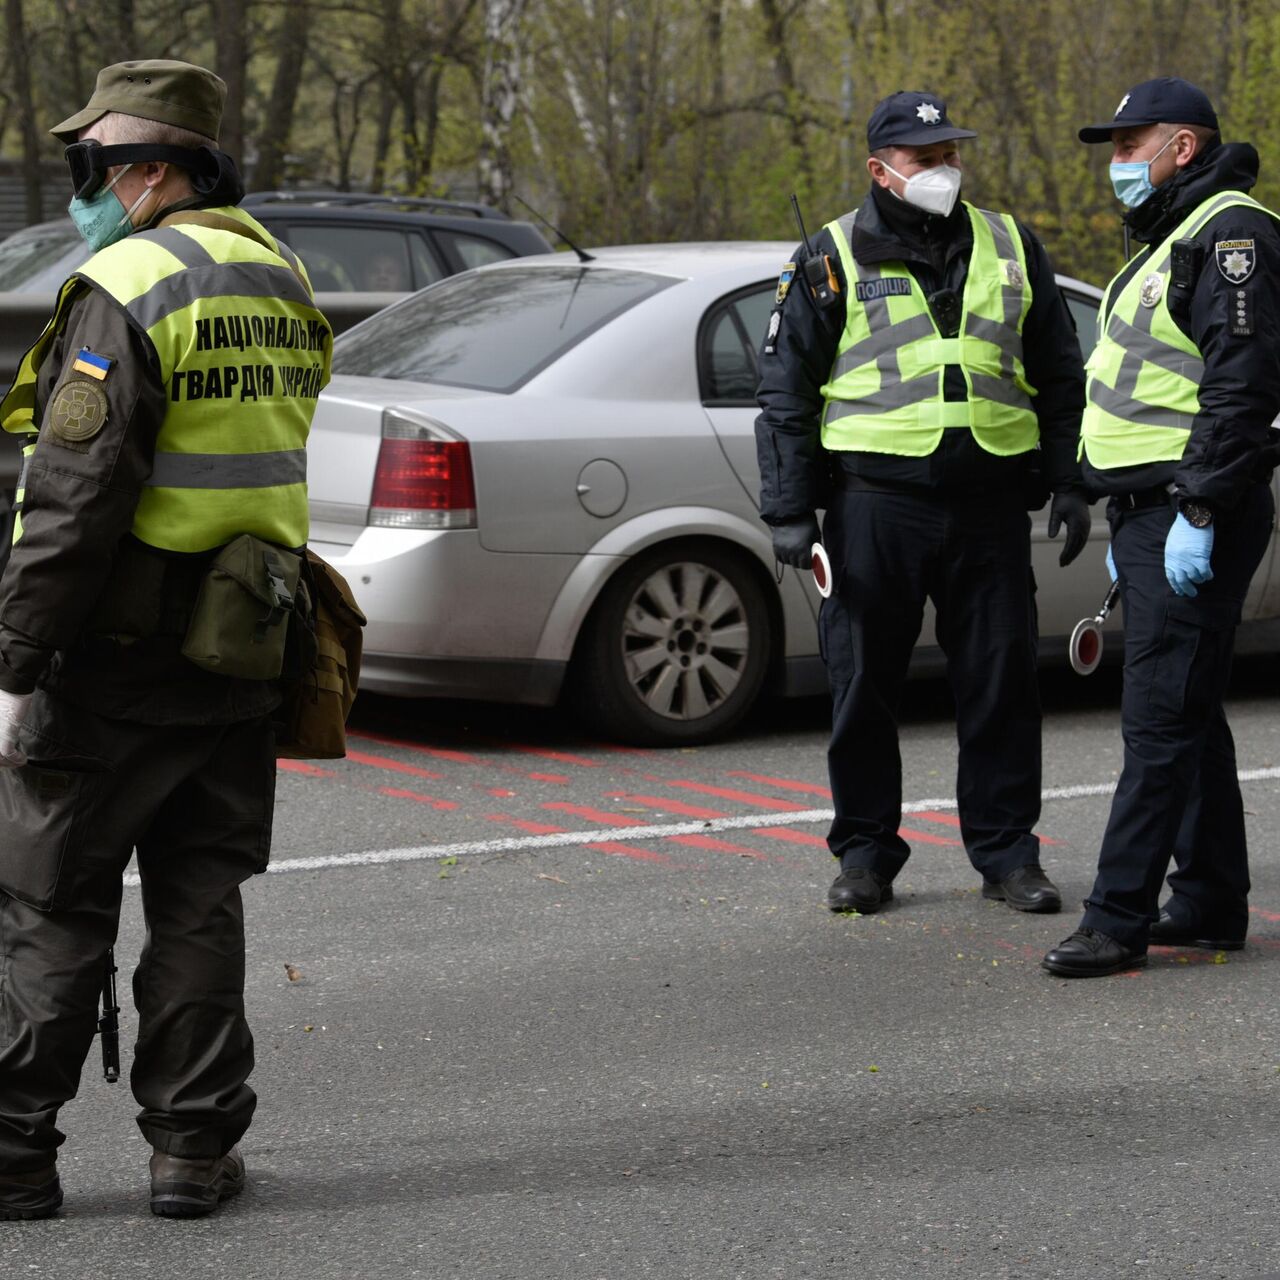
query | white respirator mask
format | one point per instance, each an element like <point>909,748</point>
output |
<point>934,190</point>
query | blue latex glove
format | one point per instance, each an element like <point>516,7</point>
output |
<point>1186,556</point>
<point>1111,565</point>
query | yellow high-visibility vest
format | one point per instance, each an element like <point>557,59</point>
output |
<point>243,354</point>
<point>1144,375</point>
<point>885,393</point>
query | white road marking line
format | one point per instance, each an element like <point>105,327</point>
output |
<point>566,839</point>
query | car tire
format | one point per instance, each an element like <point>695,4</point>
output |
<point>676,649</point>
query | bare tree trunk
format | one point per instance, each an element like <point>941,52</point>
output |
<point>499,97</point>
<point>777,21</point>
<point>124,28</point>
<point>20,80</point>
<point>345,116</point>
<point>273,141</point>
<point>386,95</point>
<point>711,191</point>
<point>427,150</point>
<point>231,22</point>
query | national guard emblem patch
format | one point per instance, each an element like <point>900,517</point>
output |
<point>1235,259</point>
<point>1012,273</point>
<point>1152,290</point>
<point>77,412</point>
<point>784,283</point>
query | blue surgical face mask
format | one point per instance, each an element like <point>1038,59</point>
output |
<point>102,219</point>
<point>1131,179</point>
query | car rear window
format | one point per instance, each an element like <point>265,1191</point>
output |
<point>492,330</point>
<point>40,257</point>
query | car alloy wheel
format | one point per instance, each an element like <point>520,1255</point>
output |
<point>677,647</point>
<point>685,641</point>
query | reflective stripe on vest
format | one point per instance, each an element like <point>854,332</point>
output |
<point>243,354</point>
<point>1144,375</point>
<point>885,392</point>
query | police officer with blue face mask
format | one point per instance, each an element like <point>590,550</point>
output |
<point>924,386</point>
<point>1182,390</point>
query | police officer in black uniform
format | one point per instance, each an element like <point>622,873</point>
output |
<point>1182,391</point>
<point>907,521</point>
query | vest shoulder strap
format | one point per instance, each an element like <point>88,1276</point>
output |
<point>221,222</point>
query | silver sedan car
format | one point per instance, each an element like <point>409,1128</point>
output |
<point>540,478</point>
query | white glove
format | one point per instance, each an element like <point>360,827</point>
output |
<point>13,707</point>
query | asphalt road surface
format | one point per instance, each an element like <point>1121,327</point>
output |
<point>561,1010</point>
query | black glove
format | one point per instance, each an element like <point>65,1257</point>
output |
<point>793,541</point>
<point>1070,508</point>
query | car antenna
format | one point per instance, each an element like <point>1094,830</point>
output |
<point>583,255</point>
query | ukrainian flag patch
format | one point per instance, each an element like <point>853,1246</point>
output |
<point>94,365</point>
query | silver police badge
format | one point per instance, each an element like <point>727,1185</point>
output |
<point>1236,259</point>
<point>1152,290</point>
<point>1012,274</point>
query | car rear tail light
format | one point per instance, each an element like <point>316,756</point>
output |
<point>423,479</point>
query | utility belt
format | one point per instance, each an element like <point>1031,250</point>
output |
<point>228,610</point>
<point>1140,499</point>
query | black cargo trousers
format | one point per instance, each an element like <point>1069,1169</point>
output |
<point>891,552</point>
<point>1179,795</point>
<point>195,802</point>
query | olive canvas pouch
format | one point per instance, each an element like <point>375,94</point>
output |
<point>241,617</point>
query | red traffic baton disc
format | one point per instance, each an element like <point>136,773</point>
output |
<point>1085,650</point>
<point>821,569</point>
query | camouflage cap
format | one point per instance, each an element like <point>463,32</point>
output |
<point>176,93</point>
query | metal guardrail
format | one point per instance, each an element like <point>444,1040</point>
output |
<point>24,315</point>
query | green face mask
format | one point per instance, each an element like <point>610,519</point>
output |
<point>102,219</point>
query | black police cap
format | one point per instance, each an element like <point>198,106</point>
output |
<point>911,120</point>
<point>1167,100</point>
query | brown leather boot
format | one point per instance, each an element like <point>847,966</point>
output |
<point>30,1195</point>
<point>182,1188</point>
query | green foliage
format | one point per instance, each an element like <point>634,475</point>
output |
<point>691,119</point>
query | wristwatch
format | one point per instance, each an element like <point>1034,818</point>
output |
<point>1196,514</point>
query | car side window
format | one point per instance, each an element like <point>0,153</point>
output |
<point>363,259</point>
<point>426,270</point>
<point>1084,312</point>
<point>728,342</point>
<point>474,251</point>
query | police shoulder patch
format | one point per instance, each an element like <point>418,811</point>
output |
<point>77,412</point>
<point>785,278</point>
<point>1236,259</point>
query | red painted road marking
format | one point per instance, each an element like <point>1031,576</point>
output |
<point>440,753</point>
<point>718,846</point>
<point>910,833</point>
<point>395,766</point>
<point>549,777</point>
<point>595,815</point>
<point>400,794</point>
<point>522,824</point>
<point>783,784</point>
<point>786,833</point>
<point>630,851</point>
<point>932,815</point>
<point>301,766</point>
<point>614,848</point>
<point>667,806</point>
<point>502,793</point>
<point>1026,950</point>
<point>563,757</point>
<point>1266,915</point>
<point>742,797</point>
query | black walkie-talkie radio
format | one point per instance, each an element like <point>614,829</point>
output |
<point>818,272</point>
